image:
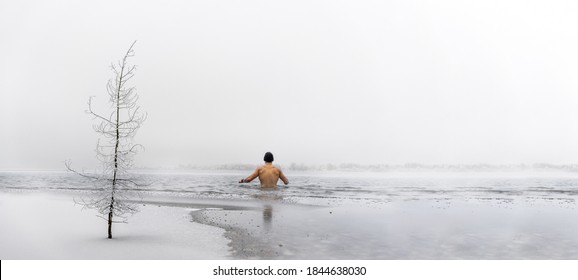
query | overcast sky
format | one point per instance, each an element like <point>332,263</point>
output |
<point>313,82</point>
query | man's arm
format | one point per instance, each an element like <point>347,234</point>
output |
<point>251,177</point>
<point>283,178</point>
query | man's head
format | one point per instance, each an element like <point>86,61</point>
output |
<point>268,157</point>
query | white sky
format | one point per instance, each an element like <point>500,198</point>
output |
<point>313,82</point>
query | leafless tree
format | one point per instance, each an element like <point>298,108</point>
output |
<point>114,183</point>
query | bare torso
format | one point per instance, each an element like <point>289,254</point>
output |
<point>268,176</point>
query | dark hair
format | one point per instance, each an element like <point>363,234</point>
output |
<point>268,157</point>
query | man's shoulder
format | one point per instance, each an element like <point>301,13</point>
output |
<point>276,167</point>
<point>269,166</point>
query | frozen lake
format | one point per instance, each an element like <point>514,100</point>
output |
<point>363,215</point>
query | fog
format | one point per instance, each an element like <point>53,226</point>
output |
<point>314,82</point>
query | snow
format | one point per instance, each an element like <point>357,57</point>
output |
<point>52,226</point>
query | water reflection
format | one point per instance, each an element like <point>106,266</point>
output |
<point>268,195</point>
<point>267,217</point>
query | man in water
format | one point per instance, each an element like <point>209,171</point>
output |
<point>268,173</point>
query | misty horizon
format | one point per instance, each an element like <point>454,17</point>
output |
<point>315,83</point>
<point>384,167</point>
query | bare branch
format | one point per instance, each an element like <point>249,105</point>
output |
<point>69,167</point>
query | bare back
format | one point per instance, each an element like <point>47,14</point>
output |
<point>268,176</point>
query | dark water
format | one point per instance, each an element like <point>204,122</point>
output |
<point>328,188</point>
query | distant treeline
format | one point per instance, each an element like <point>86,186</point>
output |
<point>353,167</point>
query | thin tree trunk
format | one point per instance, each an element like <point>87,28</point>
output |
<point>109,225</point>
<point>117,141</point>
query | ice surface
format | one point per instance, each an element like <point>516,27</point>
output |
<point>318,216</point>
<point>49,226</point>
